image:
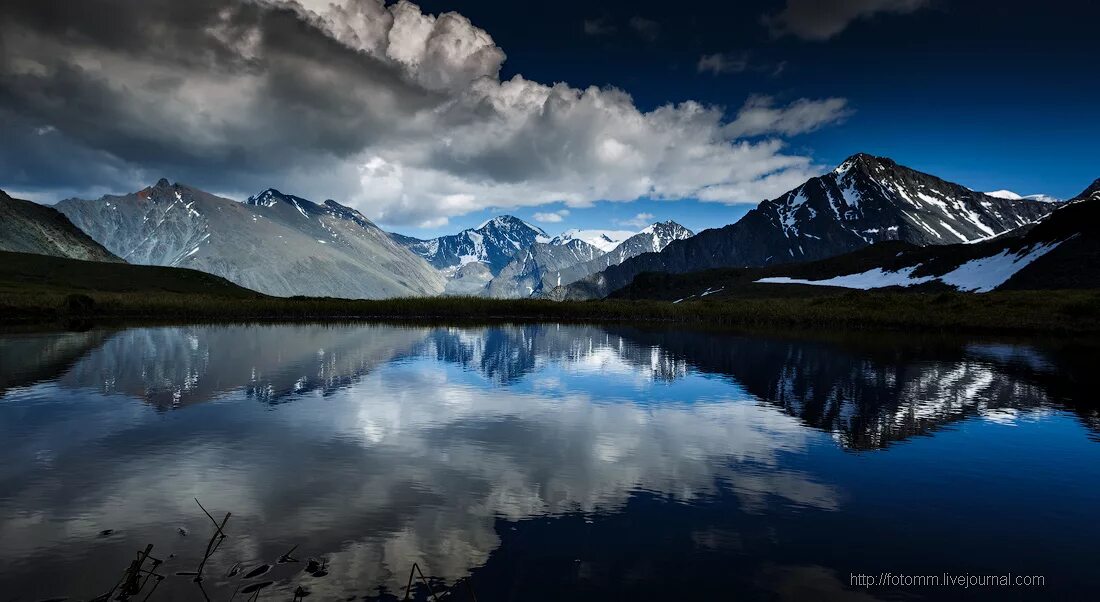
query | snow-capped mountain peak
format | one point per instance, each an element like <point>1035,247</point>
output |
<point>271,197</point>
<point>265,198</point>
<point>494,242</point>
<point>869,199</point>
<point>651,239</point>
<point>511,228</point>
<point>604,240</point>
<point>1004,194</point>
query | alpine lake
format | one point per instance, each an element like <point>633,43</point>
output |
<point>545,462</point>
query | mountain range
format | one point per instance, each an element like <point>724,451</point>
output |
<point>508,258</point>
<point>493,243</point>
<point>604,240</point>
<point>568,258</point>
<point>274,243</point>
<point>865,200</point>
<point>1059,251</point>
<point>286,245</point>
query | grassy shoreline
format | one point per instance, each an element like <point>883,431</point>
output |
<point>1050,312</point>
<point>38,289</point>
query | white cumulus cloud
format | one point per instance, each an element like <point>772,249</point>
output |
<point>640,220</point>
<point>760,116</point>
<point>551,217</point>
<point>399,113</point>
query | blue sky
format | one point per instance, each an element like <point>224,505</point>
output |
<point>420,135</point>
<point>1003,97</point>
<point>991,98</point>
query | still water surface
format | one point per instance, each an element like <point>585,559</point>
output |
<point>547,462</point>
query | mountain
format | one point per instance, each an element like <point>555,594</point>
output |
<point>604,240</point>
<point>1059,251</point>
<point>538,268</point>
<point>568,258</point>
<point>653,239</point>
<point>274,243</point>
<point>493,243</point>
<point>863,201</point>
<point>27,227</point>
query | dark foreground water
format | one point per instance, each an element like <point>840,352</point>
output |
<point>548,462</point>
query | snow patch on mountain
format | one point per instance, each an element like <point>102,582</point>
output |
<point>1005,194</point>
<point>1012,196</point>
<point>979,275</point>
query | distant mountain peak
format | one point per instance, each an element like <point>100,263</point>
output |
<point>604,240</point>
<point>266,198</point>
<point>493,242</point>
<point>508,221</point>
<point>665,225</point>
<point>864,162</point>
<point>163,183</point>
<point>497,220</point>
<point>1004,194</point>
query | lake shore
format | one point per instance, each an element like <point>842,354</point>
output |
<point>37,289</point>
<point>1032,312</point>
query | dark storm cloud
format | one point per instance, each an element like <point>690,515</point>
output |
<point>823,19</point>
<point>161,83</point>
<point>30,154</point>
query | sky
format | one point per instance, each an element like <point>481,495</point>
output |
<point>430,117</point>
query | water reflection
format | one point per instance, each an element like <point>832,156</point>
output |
<point>376,446</point>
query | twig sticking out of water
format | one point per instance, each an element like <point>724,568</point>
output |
<point>285,558</point>
<point>131,583</point>
<point>215,540</point>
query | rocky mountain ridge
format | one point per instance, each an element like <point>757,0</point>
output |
<point>27,227</point>
<point>493,243</point>
<point>274,243</point>
<point>863,201</point>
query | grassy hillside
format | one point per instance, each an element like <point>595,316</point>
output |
<point>39,289</point>
<point>30,275</point>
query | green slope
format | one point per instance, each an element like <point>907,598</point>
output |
<point>31,274</point>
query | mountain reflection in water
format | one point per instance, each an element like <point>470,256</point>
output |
<point>550,461</point>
